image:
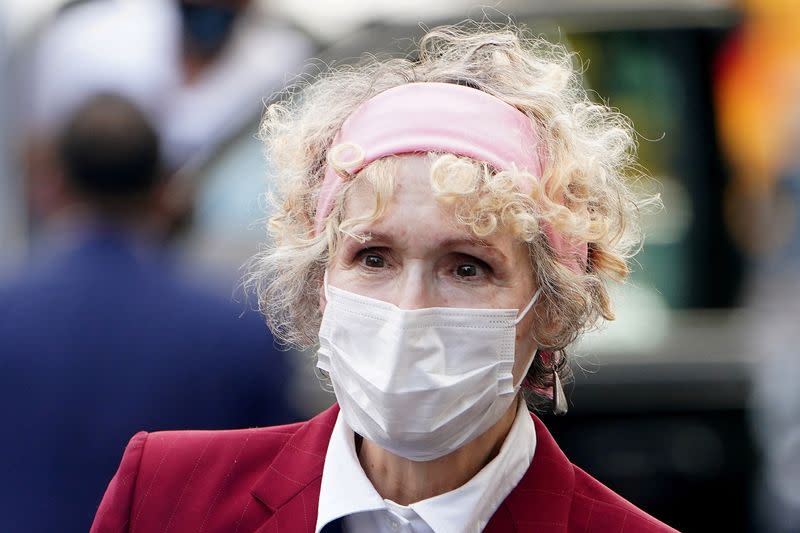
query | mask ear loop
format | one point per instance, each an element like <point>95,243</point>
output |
<point>325,286</point>
<point>528,307</point>
<point>322,376</point>
<point>519,318</point>
<point>527,369</point>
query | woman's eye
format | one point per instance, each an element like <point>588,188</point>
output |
<point>373,261</point>
<point>467,266</point>
<point>466,271</point>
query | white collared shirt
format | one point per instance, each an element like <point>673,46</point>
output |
<point>347,492</point>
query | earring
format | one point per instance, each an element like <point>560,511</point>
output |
<point>559,398</point>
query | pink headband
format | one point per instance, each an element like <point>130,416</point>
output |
<point>436,117</point>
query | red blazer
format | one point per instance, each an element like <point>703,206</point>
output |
<point>267,480</point>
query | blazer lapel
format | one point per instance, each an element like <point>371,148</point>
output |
<point>542,500</point>
<point>290,486</point>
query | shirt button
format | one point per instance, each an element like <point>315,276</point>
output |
<point>393,524</point>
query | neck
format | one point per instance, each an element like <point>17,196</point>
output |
<point>405,481</point>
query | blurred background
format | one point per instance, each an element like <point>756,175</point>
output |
<point>688,404</point>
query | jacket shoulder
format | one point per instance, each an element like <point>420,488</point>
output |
<point>114,512</point>
<point>595,507</point>
<point>184,477</point>
<point>176,461</point>
<point>177,447</point>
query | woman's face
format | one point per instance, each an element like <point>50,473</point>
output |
<point>418,257</point>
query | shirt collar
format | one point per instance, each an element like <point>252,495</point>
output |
<point>483,494</point>
<point>346,489</point>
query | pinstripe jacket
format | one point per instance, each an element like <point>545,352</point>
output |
<point>267,480</point>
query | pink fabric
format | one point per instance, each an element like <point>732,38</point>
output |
<point>438,117</point>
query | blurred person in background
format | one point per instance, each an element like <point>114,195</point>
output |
<point>99,336</point>
<point>774,301</point>
<point>232,55</point>
<point>775,414</point>
<point>757,89</point>
<point>200,69</point>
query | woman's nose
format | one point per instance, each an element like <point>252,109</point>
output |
<point>414,290</point>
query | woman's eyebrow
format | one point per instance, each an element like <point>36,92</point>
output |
<point>366,236</point>
<point>484,247</point>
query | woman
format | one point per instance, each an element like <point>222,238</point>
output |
<point>443,229</point>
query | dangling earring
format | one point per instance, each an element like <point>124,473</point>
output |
<point>559,398</point>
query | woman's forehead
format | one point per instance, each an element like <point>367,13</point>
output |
<point>413,211</point>
<point>407,182</point>
<point>405,174</point>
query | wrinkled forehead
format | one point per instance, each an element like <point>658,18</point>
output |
<point>398,192</point>
<point>391,181</point>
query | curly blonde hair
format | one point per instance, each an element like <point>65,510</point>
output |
<point>588,151</point>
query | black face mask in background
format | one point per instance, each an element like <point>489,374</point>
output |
<point>207,28</point>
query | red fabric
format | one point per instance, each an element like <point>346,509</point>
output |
<point>268,480</point>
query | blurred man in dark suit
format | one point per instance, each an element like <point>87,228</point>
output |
<point>101,337</point>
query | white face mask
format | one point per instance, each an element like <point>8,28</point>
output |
<point>419,383</point>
